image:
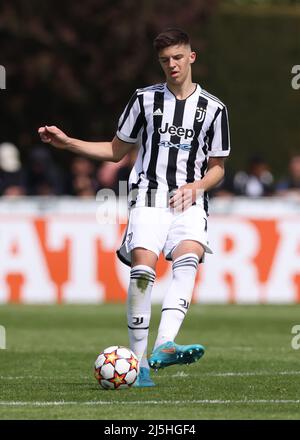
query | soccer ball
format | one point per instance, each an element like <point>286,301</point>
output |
<point>116,367</point>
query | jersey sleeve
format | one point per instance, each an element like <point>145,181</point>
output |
<point>219,137</point>
<point>131,120</point>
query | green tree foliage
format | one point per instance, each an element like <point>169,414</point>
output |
<point>75,64</point>
<point>249,60</point>
<point>262,2</point>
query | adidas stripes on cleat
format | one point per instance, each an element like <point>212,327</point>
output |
<point>170,353</point>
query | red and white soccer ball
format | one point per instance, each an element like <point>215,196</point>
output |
<point>116,368</point>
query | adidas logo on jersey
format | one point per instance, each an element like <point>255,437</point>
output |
<point>158,112</point>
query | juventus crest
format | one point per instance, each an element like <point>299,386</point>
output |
<point>200,114</point>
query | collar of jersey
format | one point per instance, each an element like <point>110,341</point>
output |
<point>196,91</point>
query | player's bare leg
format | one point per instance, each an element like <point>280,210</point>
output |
<point>188,246</point>
<point>185,257</point>
<point>142,277</point>
<point>143,256</point>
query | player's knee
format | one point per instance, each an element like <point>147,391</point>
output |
<point>145,257</point>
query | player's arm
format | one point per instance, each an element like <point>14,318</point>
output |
<point>112,151</point>
<point>214,175</point>
<point>186,195</point>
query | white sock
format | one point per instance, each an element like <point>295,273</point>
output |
<point>178,297</point>
<point>139,310</point>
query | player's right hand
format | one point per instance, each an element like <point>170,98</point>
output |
<point>54,136</point>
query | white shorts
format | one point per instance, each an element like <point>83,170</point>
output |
<point>162,229</point>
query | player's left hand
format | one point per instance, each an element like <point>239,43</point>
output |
<point>185,196</point>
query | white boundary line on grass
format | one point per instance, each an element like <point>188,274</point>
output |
<point>255,373</point>
<point>179,374</point>
<point>148,402</point>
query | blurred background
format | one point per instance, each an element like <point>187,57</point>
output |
<point>76,64</point>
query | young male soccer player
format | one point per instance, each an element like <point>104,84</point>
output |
<point>183,138</point>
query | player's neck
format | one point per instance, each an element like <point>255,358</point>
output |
<point>183,90</point>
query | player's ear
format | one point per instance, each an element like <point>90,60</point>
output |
<point>193,57</point>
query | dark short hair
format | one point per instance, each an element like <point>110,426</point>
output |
<point>170,37</point>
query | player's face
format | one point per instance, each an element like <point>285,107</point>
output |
<point>176,62</point>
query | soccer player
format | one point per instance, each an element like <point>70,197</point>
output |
<point>182,136</point>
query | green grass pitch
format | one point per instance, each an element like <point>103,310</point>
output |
<point>249,370</point>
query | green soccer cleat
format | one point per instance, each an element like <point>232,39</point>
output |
<point>170,353</point>
<point>144,380</point>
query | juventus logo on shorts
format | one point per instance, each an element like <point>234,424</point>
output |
<point>185,304</point>
<point>137,321</point>
<point>129,237</point>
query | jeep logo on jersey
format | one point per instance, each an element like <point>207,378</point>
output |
<point>177,131</point>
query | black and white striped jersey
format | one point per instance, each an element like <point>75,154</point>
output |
<point>175,139</point>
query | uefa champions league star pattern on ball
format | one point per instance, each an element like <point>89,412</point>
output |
<point>116,367</point>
